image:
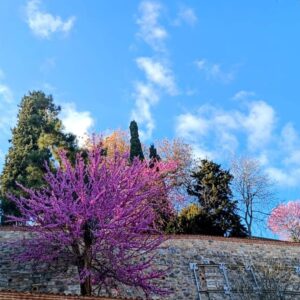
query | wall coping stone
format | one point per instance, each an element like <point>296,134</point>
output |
<point>9,294</point>
<point>253,240</point>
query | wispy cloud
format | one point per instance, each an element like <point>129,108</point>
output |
<point>221,127</point>
<point>159,77</point>
<point>284,177</point>
<point>191,126</point>
<point>186,15</point>
<point>7,106</point>
<point>290,141</point>
<point>44,24</point>
<point>213,71</point>
<point>2,156</point>
<point>48,87</point>
<point>259,124</point>
<point>145,96</point>
<point>287,170</point>
<point>8,112</point>
<point>6,93</point>
<point>252,127</point>
<point>158,73</point>
<point>77,122</point>
<point>150,30</point>
<point>243,95</point>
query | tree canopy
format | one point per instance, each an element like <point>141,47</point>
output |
<point>98,216</point>
<point>285,220</point>
<point>135,143</point>
<point>252,188</point>
<point>217,212</point>
<point>36,139</point>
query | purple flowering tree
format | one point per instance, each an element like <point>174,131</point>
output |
<point>96,215</point>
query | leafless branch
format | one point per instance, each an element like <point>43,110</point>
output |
<point>252,188</point>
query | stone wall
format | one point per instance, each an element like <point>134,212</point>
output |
<point>11,295</point>
<point>223,268</point>
<point>232,268</point>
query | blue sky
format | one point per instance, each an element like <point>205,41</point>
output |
<point>223,75</point>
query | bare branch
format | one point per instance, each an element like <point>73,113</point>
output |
<point>252,188</point>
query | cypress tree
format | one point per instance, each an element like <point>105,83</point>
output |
<point>36,138</point>
<point>217,210</point>
<point>154,157</point>
<point>153,153</point>
<point>135,144</point>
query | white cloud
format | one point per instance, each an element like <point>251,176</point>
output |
<point>2,157</point>
<point>263,158</point>
<point>284,177</point>
<point>190,126</point>
<point>150,30</point>
<point>6,93</point>
<point>158,73</point>
<point>44,24</point>
<point>286,171</point>
<point>214,71</point>
<point>243,95</point>
<point>49,88</point>
<point>8,113</point>
<point>198,151</point>
<point>145,96</point>
<point>76,122</point>
<point>186,15</point>
<point>221,130</point>
<point>290,144</point>
<point>8,108</point>
<point>193,129</point>
<point>252,128</point>
<point>159,78</point>
<point>289,137</point>
<point>259,124</point>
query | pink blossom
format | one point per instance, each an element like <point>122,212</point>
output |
<point>285,220</point>
<point>98,216</point>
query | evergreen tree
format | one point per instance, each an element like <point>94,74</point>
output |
<point>154,157</point>
<point>135,144</point>
<point>217,210</point>
<point>36,139</point>
<point>153,153</point>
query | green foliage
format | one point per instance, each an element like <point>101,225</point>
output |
<point>135,144</point>
<point>215,213</point>
<point>36,139</point>
<point>153,153</point>
<point>191,220</point>
<point>154,157</point>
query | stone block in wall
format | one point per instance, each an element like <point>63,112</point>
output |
<point>274,265</point>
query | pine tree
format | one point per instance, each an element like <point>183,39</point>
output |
<point>36,139</point>
<point>217,210</point>
<point>135,144</point>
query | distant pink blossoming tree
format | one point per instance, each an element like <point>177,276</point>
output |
<point>98,216</point>
<point>285,220</point>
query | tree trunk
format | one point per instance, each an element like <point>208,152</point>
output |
<point>249,230</point>
<point>85,261</point>
<point>85,265</point>
<point>86,287</point>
